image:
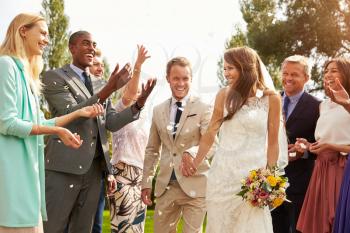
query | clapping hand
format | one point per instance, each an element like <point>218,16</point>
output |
<point>145,92</point>
<point>318,147</point>
<point>119,78</point>
<point>68,138</point>
<point>91,111</point>
<point>337,93</point>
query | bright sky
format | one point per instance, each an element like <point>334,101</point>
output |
<point>196,29</point>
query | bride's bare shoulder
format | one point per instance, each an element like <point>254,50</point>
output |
<point>270,92</point>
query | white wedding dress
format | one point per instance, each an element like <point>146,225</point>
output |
<point>242,147</point>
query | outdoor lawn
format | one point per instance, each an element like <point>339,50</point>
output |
<point>148,227</point>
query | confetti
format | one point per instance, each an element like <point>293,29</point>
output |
<point>192,193</point>
<point>59,141</point>
<point>71,186</point>
<point>80,167</point>
<point>160,213</point>
<point>169,127</point>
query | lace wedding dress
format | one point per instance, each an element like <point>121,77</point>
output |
<point>242,147</point>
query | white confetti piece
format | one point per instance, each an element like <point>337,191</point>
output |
<point>183,145</point>
<point>68,106</point>
<point>303,146</point>
<point>160,213</point>
<point>169,127</point>
<point>54,83</point>
<point>80,167</point>
<point>181,109</point>
<point>59,141</point>
<point>192,193</point>
<point>71,186</point>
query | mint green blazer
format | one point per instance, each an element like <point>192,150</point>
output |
<point>22,173</point>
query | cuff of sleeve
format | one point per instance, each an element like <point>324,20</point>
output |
<point>51,122</point>
<point>192,153</point>
<point>22,129</point>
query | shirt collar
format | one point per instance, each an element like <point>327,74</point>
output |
<point>294,98</point>
<point>77,70</point>
<point>183,100</point>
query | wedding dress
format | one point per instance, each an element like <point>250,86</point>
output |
<point>242,147</point>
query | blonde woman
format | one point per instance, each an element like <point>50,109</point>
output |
<point>22,192</point>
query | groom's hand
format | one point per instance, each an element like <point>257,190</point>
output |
<point>146,196</point>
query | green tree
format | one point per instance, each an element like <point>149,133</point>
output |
<point>279,28</point>
<point>57,53</point>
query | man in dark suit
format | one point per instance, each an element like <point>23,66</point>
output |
<point>73,177</point>
<point>301,111</point>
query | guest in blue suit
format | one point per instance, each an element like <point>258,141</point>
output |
<point>22,174</point>
<point>301,111</point>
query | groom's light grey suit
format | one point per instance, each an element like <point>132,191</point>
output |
<point>73,176</point>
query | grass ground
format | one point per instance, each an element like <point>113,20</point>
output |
<point>148,225</point>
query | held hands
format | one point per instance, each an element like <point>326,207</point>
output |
<point>69,139</point>
<point>302,145</point>
<point>91,111</point>
<point>187,166</point>
<point>145,92</point>
<point>146,196</point>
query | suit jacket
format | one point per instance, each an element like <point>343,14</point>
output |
<point>168,152</point>
<point>301,124</point>
<point>65,93</point>
<point>22,154</point>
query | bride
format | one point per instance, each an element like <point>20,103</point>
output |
<point>247,115</point>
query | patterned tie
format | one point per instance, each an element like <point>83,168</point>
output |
<point>285,107</point>
<point>88,83</point>
<point>177,116</point>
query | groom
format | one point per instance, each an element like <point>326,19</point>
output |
<point>301,111</point>
<point>176,129</point>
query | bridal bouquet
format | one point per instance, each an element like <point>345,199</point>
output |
<point>264,187</point>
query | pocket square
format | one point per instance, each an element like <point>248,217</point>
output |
<point>191,115</point>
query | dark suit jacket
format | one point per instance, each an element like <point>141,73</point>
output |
<point>301,124</point>
<point>65,93</point>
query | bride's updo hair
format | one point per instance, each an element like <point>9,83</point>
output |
<point>247,62</point>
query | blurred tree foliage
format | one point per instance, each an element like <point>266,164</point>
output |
<point>276,29</point>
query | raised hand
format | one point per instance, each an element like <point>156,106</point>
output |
<point>91,111</point>
<point>119,78</point>
<point>145,92</point>
<point>142,56</point>
<point>337,93</point>
<point>146,196</point>
<point>68,138</point>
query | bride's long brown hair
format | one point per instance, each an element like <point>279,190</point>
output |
<point>247,62</point>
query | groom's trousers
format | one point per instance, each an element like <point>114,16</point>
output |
<point>173,204</point>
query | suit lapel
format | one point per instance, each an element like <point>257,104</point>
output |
<point>184,115</point>
<point>298,108</point>
<point>166,119</point>
<point>74,77</point>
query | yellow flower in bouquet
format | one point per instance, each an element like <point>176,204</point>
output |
<point>272,180</point>
<point>264,187</point>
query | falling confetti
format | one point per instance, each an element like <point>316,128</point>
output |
<point>183,145</point>
<point>71,186</point>
<point>48,161</point>
<point>66,87</point>
<point>59,141</point>
<point>80,167</point>
<point>169,127</point>
<point>160,213</point>
<point>167,188</point>
<point>192,193</point>
<point>54,83</point>
<point>68,106</point>
<point>181,109</point>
